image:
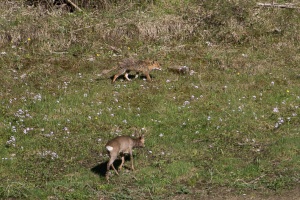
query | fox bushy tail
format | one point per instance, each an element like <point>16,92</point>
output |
<point>106,71</point>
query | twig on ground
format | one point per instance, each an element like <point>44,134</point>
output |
<point>74,5</point>
<point>276,5</point>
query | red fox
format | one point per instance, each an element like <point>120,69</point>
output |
<point>139,66</point>
<point>122,145</point>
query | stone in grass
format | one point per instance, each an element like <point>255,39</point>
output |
<point>179,69</point>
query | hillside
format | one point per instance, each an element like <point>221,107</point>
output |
<point>227,129</point>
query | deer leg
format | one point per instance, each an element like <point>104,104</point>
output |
<point>111,164</point>
<point>131,158</point>
<point>123,160</point>
<point>115,169</point>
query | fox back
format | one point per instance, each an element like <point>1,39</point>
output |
<point>139,65</point>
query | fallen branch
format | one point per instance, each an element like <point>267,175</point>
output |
<point>276,5</point>
<point>74,5</point>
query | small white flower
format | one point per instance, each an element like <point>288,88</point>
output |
<point>209,118</point>
<point>23,76</point>
<point>280,120</point>
<point>161,135</point>
<point>208,43</point>
<point>186,103</point>
<point>91,59</point>
<point>272,83</point>
<point>275,110</point>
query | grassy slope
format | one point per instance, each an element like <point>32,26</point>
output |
<point>232,124</point>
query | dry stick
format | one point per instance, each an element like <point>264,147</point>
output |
<point>74,5</point>
<point>287,5</point>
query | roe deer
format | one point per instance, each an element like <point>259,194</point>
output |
<point>122,145</point>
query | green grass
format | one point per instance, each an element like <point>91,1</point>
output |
<point>232,124</point>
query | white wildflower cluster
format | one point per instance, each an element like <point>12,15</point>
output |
<point>37,97</point>
<point>22,114</point>
<point>156,121</point>
<point>47,153</point>
<point>186,103</point>
<point>275,110</point>
<point>279,122</point>
<point>11,141</point>
<point>13,129</point>
<point>49,134</point>
<point>26,130</point>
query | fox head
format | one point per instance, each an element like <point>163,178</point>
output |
<point>154,65</point>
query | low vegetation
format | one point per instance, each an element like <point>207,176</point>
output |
<point>228,127</point>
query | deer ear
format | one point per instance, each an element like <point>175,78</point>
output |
<point>142,139</point>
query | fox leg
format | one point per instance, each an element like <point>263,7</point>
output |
<point>120,72</point>
<point>148,77</point>
<point>115,77</point>
<point>126,76</point>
